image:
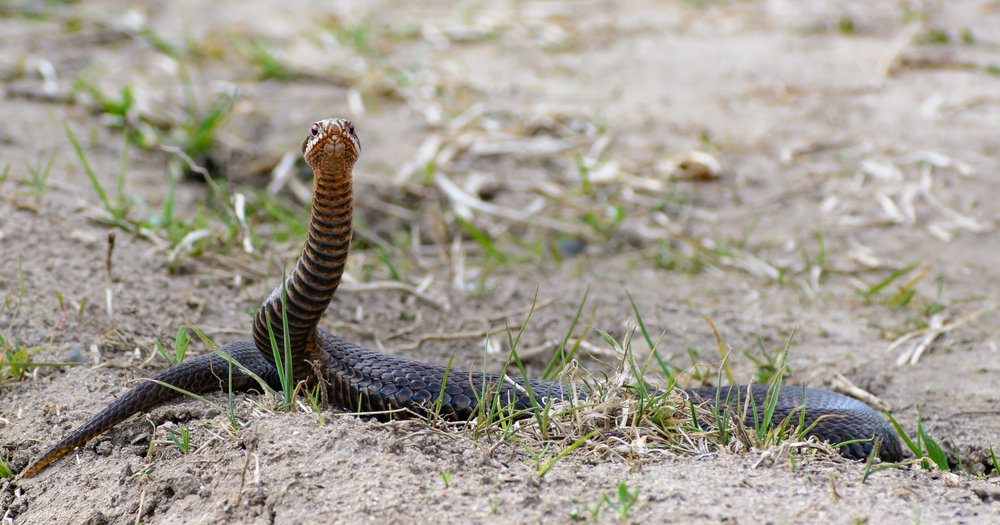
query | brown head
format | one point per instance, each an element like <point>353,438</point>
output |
<point>331,146</point>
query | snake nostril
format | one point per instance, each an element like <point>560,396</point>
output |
<point>350,127</point>
<point>315,130</point>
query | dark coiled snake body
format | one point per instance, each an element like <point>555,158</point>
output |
<point>365,380</point>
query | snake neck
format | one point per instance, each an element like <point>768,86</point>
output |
<point>310,286</point>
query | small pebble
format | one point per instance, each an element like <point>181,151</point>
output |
<point>568,246</point>
<point>73,355</point>
<point>84,236</point>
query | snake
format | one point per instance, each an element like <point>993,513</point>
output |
<point>388,386</point>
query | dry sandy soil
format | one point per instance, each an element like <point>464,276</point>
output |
<point>854,140</point>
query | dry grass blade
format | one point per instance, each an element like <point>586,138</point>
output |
<point>925,336</point>
<point>953,219</point>
<point>623,421</point>
<point>396,286</point>
<point>840,383</point>
<point>461,199</point>
<point>450,336</point>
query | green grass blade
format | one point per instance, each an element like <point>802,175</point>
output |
<point>564,452</point>
<point>934,450</point>
<point>120,203</point>
<point>288,386</point>
<point>283,376</point>
<point>513,342</point>
<point>561,358</point>
<point>89,171</point>
<point>774,386</point>
<point>5,470</point>
<point>878,287</point>
<point>439,402</point>
<point>218,351</point>
<point>181,343</point>
<point>903,435</point>
<point>667,368</point>
<point>481,238</point>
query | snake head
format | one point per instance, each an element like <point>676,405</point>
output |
<point>331,142</point>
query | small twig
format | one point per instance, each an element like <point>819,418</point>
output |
<point>450,336</point>
<point>235,264</point>
<point>531,352</point>
<point>463,199</point>
<point>243,475</point>
<point>833,488</point>
<point>324,400</point>
<point>406,330</point>
<point>108,261</point>
<point>192,165</point>
<point>516,312</point>
<point>930,333</point>
<point>393,286</point>
<point>896,47</point>
<point>840,383</point>
<point>592,349</point>
<point>142,498</point>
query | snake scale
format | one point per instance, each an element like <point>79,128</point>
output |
<point>370,381</point>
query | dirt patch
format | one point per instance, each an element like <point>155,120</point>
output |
<point>858,153</point>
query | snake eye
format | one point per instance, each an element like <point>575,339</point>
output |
<point>315,130</point>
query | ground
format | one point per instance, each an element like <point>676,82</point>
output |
<point>815,171</point>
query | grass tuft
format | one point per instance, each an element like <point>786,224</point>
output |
<point>182,440</point>
<point>621,501</point>
<point>924,447</point>
<point>5,470</point>
<point>17,360</point>
<point>39,175</point>
<point>626,414</point>
<point>270,65</point>
<point>282,355</point>
<point>562,358</point>
<point>181,343</point>
<point>446,477</point>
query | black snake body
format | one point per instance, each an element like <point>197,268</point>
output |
<point>364,380</point>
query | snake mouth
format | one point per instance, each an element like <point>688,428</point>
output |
<point>335,131</point>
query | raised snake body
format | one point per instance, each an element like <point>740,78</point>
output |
<point>370,381</point>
